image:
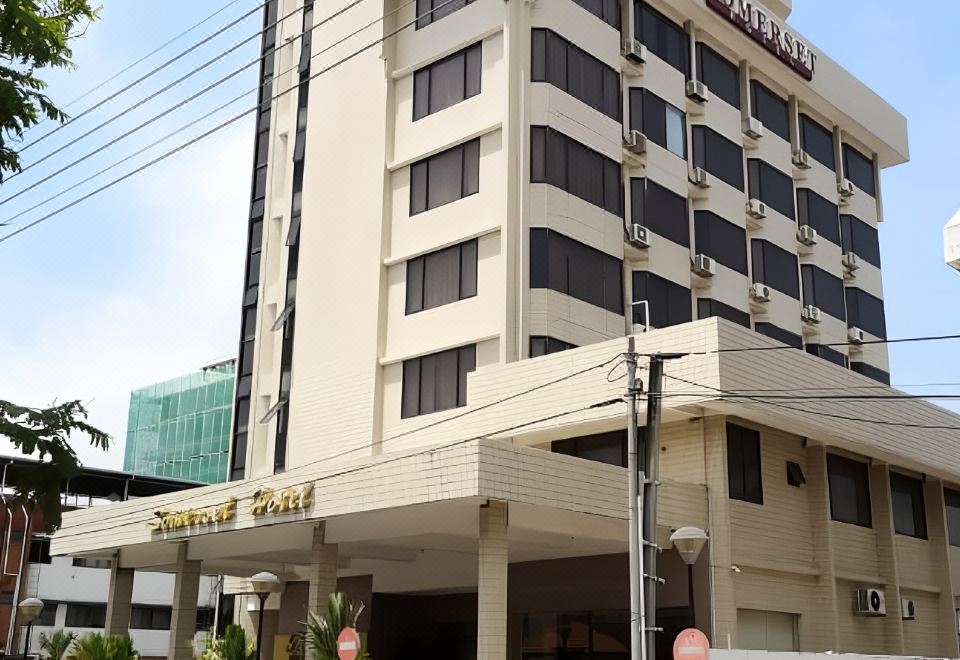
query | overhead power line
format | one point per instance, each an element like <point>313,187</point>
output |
<point>783,347</point>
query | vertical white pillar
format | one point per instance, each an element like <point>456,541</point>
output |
<point>119,599</point>
<point>183,622</point>
<point>492,582</point>
<point>323,570</point>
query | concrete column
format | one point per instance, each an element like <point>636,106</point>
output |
<point>119,599</point>
<point>939,539</point>
<point>492,582</point>
<point>824,625</point>
<point>721,551</point>
<point>887,555</point>
<point>323,571</point>
<point>183,622</point>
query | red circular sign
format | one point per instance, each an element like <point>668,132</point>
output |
<point>691,644</point>
<point>348,644</point>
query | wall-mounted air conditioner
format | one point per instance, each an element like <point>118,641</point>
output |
<point>908,609</point>
<point>633,51</point>
<point>759,293</point>
<point>855,336</point>
<point>700,178</point>
<point>756,209</point>
<point>639,236</point>
<point>801,160</point>
<point>811,314</point>
<point>635,142</point>
<point>697,91</point>
<point>870,602</point>
<point>850,261</point>
<point>703,266</point>
<point>846,188</point>
<point>807,235</point>
<point>752,128</point>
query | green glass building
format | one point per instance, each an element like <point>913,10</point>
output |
<point>181,427</point>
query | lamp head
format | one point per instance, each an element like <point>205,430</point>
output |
<point>689,542</point>
<point>264,582</point>
<point>30,608</point>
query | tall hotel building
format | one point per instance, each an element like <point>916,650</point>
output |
<point>458,215</point>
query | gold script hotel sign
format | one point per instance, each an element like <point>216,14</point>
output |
<point>265,501</point>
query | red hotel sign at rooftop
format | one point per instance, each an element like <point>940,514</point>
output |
<point>766,30</point>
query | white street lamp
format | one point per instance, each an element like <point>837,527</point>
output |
<point>263,583</point>
<point>30,609</point>
<point>689,542</point>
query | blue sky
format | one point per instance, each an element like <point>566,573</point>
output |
<point>142,282</point>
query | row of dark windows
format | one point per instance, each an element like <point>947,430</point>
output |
<point>824,290</point>
<point>668,303</point>
<point>662,123</point>
<point>870,371</point>
<point>819,213</point>
<point>718,156</point>
<point>865,311</point>
<point>436,382</point>
<point>829,354</point>
<point>770,109</point>
<point>721,76</point>
<point>709,308</point>
<point>566,266</point>
<point>543,345</point>
<point>607,11</point>
<point>567,67</point>
<point>662,37</point>
<point>442,277</point>
<point>142,617</point>
<point>860,238</point>
<point>775,267</point>
<point>770,186</point>
<point>660,210</point>
<point>721,240</point>
<point>778,333</point>
<point>429,11</point>
<point>447,82</point>
<point>564,163</point>
<point>445,177</point>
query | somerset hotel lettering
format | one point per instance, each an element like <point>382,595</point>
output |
<point>754,21</point>
<point>265,501</point>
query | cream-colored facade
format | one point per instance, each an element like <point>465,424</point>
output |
<point>464,513</point>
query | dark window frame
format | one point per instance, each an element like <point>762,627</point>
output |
<point>718,238</point>
<point>860,238</point>
<point>744,464</point>
<point>762,253</point>
<point>656,31</point>
<point>541,345</point>
<point>819,213</point>
<point>858,474</point>
<point>823,290</point>
<point>711,67</point>
<point>772,187</point>
<point>951,499</point>
<point>770,108</point>
<point>607,11</point>
<point>583,76</point>
<point>417,402</point>
<point>812,136</point>
<point>711,150</point>
<point>914,522</point>
<point>855,165</point>
<point>431,11</point>
<point>419,271</point>
<point>552,157</point>
<point>645,116</point>
<point>552,257</point>
<point>469,176</point>
<point>678,308</point>
<point>660,209</point>
<point>780,334</point>
<point>710,308</point>
<point>472,64</point>
<point>862,309</point>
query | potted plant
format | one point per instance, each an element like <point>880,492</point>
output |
<point>323,629</point>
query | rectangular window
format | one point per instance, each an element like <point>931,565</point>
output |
<point>871,371</point>
<point>771,186</point>
<point>820,213</point>
<point>775,267</point>
<point>540,345</point>
<point>744,465</point>
<point>718,156</point>
<point>828,354</point>
<point>909,513</point>
<point>662,123</point>
<point>442,277</point>
<point>721,240</point>
<point>952,499</point>
<point>445,177</point>
<point>447,82</point>
<point>817,141</point>
<point>823,290</point>
<point>86,615</point>
<point>40,550</point>
<point>610,448</point>
<point>429,11</point>
<point>566,266</point>
<point>859,169</point>
<point>660,210</point>
<point>607,11</point>
<point>573,167</point>
<point>849,491</point>
<point>708,308</point>
<point>770,109</point>
<point>669,302</point>
<point>48,615</point>
<point>720,75</point>
<point>144,617</point>
<point>438,381</point>
<point>565,66</point>
<point>866,312</point>
<point>662,37</point>
<point>860,238</point>
<point>778,333</point>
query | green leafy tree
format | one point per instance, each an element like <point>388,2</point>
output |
<point>234,645</point>
<point>56,644</point>
<point>95,646</point>
<point>43,434</point>
<point>323,630</point>
<point>34,34</point>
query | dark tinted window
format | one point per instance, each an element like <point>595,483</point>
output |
<point>870,371</point>
<point>721,240</point>
<point>606,10</point>
<point>708,308</point>
<point>48,615</point>
<point>823,290</point>
<point>744,467</point>
<point>952,499</point>
<point>771,186</point>
<point>660,210</point>
<point>720,75</point>
<point>40,550</point>
<point>565,163</point>
<point>819,213</point>
<point>445,177</point>
<point>442,277</point>
<point>429,11</point>
<point>817,141</point>
<point>437,382</point>
<point>669,302</point>
<point>572,69</point>
<point>770,109</point>
<point>778,333</point>
<point>447,82</point>
<point>662,123</point>
<point>86,615</point>
<point>718,156</point>
<point>859,169</point>
<point>662,37</point>
<point>775,267</point>
<point>610,448</point>
<point>540,345</point>
<point>865,311</point>
<point>827,353</point>
<point>909,514</point>
<point>144,617</point>
<point>567,266</point>
<point>849,491</point>
<point>860,238</point>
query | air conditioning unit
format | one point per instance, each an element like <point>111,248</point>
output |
<point>850,261</point>
<point>639,237</point>
<point>634,52</point>
<point>807,235</point>
<point>855,336</point>
<point>760,293</point>
<point>753,128</point>
<point>811,314</point>
<point>908,609</point>
<point>801,160</point>
<point>846,188</point>
<point>870,602</point>
<point>756,209</point>
<point>700,178</point>
<point>635,142</point>
<point>704,266</point>
<point>697,91</point>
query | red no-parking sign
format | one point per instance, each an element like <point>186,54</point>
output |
<point>348,644</point>
<point>691,644</point>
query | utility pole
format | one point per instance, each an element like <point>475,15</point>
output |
<point>638,622</point>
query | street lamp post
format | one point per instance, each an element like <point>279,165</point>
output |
<point>30,609</point>
<point>689,542</point>
<point>263,583</point>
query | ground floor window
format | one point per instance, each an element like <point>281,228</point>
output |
<point>580,635</point>
<point>768,631</point>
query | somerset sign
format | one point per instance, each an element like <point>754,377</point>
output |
<point>767,31</point>
<point>265,502</point>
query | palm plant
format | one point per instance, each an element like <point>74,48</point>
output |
<point>56,644</point>
<point>234,645</point>
<point>323,630</point>
<point>94,646</point>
